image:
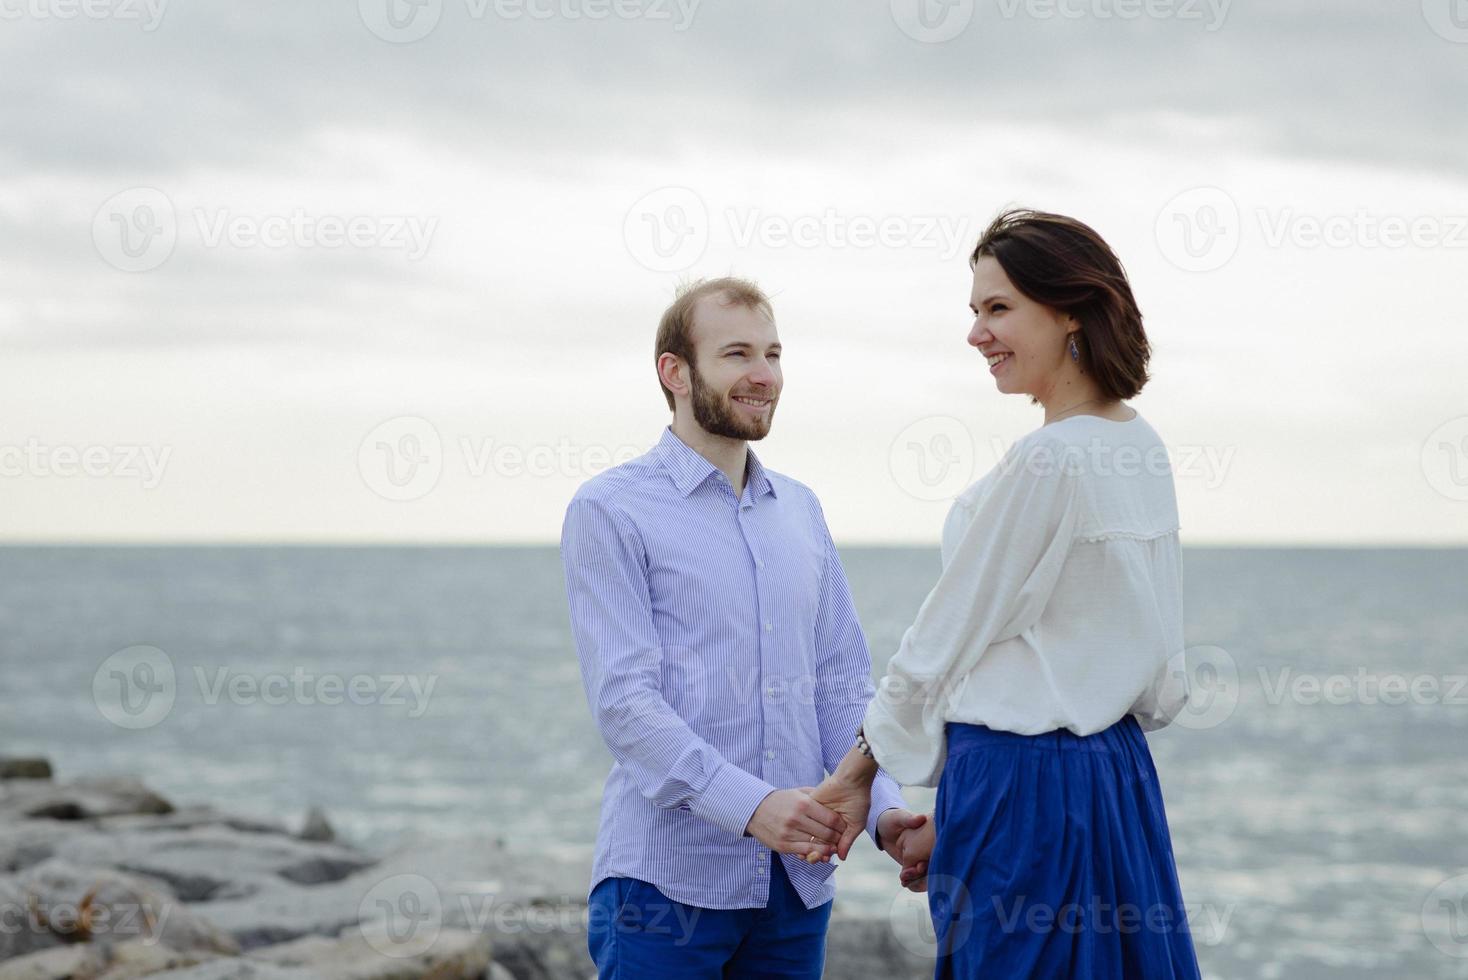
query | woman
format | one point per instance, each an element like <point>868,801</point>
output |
<point>1051,642</point>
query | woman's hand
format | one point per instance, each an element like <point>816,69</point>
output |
<point>916,847</point>
<point>852,799</point>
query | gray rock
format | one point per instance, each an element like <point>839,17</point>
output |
<point>22,934</point>
<point>858,949</point>
<point>470,884</point>
<point>317,827</point>
<point>27,842</point>
<point>236,969</point>
<point>141,958</point>
<point>60,963</point>
<point>81,903</point>
<point>24,767</point>
<point>176,894</point>
<point>275,911</point>
<point>101,961</point>
<point>376,954</point>
<point>205,862</point>
<point>552,956</point>
<point>186,817</point>
<point>79,799</point>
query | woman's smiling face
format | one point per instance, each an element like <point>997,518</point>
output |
<point>1031,335</point>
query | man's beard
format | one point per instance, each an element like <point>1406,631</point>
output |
<point>716,414</point>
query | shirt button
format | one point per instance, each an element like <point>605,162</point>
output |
<point>768,627</point>
<point>759,563</point>
<point>761,855</point>
<point>769,754</point>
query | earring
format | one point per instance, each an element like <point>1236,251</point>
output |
<point>1075,354</point>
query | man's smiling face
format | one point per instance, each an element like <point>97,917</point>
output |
<point>736,381</point>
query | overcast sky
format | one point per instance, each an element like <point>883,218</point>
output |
<point>348,271</point>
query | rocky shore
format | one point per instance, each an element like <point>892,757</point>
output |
<point>103,879</point>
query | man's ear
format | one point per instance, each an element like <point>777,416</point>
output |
<point>673,372</point>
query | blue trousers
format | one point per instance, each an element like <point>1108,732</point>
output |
<point>636,933</point>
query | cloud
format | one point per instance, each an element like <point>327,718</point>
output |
<point>217,84</point>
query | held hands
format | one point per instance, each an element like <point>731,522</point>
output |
<point>834,814</point>
<point>788,819</point>
<point>852,800</point>
<point>908,837</point>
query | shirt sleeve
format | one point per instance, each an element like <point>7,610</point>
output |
<point>994,587</point>
<point>622,669</point>
<point>843,683</point>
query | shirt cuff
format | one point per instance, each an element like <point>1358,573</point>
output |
<point>885,796</point>
<point>730,798</point>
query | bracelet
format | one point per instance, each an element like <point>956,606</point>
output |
<point>862,745</point>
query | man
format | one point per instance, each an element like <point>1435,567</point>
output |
<point>723,661</point>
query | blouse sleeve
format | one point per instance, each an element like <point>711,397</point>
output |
<point>995,586</point>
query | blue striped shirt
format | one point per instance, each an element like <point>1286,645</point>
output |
<point>722,659</point>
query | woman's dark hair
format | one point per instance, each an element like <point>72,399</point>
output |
<point>1064,264</point>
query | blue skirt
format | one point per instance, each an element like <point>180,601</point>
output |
<point>1052,859</point>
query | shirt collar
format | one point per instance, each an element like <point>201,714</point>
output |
<point>689,469</point>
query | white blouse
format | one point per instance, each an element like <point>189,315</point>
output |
<point>1059,604</point>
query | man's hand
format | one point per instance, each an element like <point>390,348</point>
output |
<point>787,819</point>
<point>914,847</point>
<point>853,801</point>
